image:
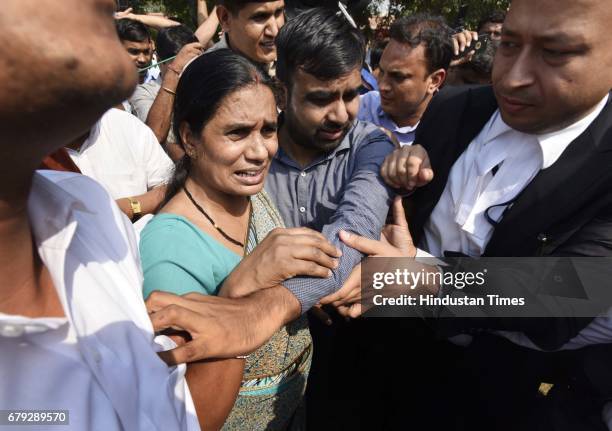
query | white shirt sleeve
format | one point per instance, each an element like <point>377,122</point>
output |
<point>157,164</point>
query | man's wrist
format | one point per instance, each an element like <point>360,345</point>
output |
<point>125,206</point>
<point>136,208</point>
<point>279,303</point>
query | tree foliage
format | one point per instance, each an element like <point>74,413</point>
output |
<point>183,10</point>
<point>456,12</point>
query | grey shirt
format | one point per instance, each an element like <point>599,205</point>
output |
<point>342,190</point>
<point>143,99</point>
<point>223,43</point>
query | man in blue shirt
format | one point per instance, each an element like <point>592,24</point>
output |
<point>412,69</point>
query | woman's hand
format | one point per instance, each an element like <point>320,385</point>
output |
<point>283,254</point>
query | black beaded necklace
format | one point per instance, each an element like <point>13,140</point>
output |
<point>226,236</point>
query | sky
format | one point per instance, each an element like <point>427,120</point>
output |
<point>384,6</point>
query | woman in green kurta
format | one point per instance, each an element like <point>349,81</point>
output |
<point>215,213</point>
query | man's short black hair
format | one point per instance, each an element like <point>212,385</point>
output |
<point>132,30</point>
<point>170,40</point>
<point>320,42</point>
<point>432,32</point>
<point>234,6</point>
<point>496,17</point>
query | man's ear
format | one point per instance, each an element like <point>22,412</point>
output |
<point>225,18</point>
<point>437,79</point>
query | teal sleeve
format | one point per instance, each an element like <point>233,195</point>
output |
<point>169,276</point>
<point>177,258</point>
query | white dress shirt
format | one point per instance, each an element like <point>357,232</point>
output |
<point>100,361</point>
<point>458,221</point>
<point>123,155</point>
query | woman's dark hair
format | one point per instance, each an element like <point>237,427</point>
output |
<point>203,86</point>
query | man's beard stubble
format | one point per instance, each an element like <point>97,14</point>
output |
<point>309,140</point>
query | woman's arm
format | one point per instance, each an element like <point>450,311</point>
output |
<point>174,259</point>
<point>214,386</point>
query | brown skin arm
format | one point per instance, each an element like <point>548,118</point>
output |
<point>149,202</point>
<point>160,114</point>
<point>208,28</point>
<point>214,386</point>
<point>155,21</point>
<point>221,327</point>
<point>202,11</point>
<point>159,118</point>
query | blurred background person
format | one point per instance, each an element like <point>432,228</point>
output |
<point>375,54</point>
<point>412,69</point>
<point>492,24</point>
<point>153,102</point>
<point>250,28</point>
<point>122,154</point>
<point>476,71</point>
<point>136,40</point>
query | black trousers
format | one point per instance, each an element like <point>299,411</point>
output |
<point>495,385</point>
<point>393,374</point>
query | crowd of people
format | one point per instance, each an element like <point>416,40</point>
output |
<point>184,221</point>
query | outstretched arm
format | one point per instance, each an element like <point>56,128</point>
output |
<point>221,327</point>
<point>202,11</point>
<point>207,29</point>
<point>251,306</point>
<point>155,21</point>
<point>159,118</point>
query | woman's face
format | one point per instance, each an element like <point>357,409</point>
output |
<point>232,155</point>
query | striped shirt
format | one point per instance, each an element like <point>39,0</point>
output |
<point>339,190</point>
